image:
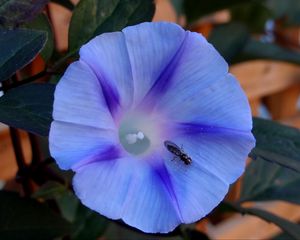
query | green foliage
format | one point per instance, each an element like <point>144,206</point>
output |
<point>178,6</point>
<point>275,174</point>
<point>88,224</point>
<point>85,223</point>
<point>18,47</point>
<point>289,10</point>
<point>266,181</point>
<point>276,143</point>
<point>194,9</point>
<point>15,12</point>
<point>292,229</point>
<point>28,107</point>
<point>41,23</point>
<point>68,205</point>
<point>229,39</point>
<point>117,229</point>
<point>283,236</point>
<point>49,190</point>
<point>234,42</point>
<point>93,17</point>
<point>253,13</point>
<point>66,202</point>
<point>65,3</point>
<point>23,218</point>
<point>196,235</point>
<point>255,49</point>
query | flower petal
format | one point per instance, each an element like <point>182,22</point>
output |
<point>126,189</point>
<point>223,154</point>
<point>107,56</point>
<point>197,191</point>
<point>151,47</point>
<point>218,159</point>
<point>73,143</point>
<point>222,103</point>
<point>174,62</point>
<point>78,99</point>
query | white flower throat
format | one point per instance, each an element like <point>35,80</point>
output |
<point>138,133</point>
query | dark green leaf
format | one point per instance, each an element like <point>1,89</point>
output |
<point>229,39</point>
<point>28,107</point>
<point>16,12</point>
<point>42,23</point>
<point>253,13</point>
<point>68,205</point>
<point>194,9</point>
<point>255,49</point>
<point>18,48</point>
<point>276,143</point>
<point>88,224</point>
<point>22,218</point>
<point>65,3</point>
<point>49,190</point>
<point>292,229</point>
<point>289,10</point>
<point>66,201</point>
<point>117,229</point>
<point>93,17</point>
<point>178,6</point>
<point>283,236</point>
<point>66,176</point>
<point>196,235</point>
<point>266,181</point>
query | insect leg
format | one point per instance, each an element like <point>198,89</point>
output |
<point>181,148</point>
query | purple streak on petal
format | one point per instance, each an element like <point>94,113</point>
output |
<point>164,80</point>
<point>111,97</point>
<point>197,128</point>
<point>110,93</point>
<point>110,153</point>
<point>163,174</point>
<point>70,143</point>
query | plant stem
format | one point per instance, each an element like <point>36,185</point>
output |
<point>26,80</point>
<point>50,70</point>
<point>61,61</point>
<point>22,174</point>
<point>35,149</point>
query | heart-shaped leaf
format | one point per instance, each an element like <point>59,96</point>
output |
<point>93,17</point>
<point>267,181</point>
<point>28,107</point>
<point>276,143</point>
<point>18,48</point>
<point>15,12</point>
<point>42,23</point>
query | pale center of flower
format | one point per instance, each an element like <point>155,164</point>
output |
<point>138,133</point>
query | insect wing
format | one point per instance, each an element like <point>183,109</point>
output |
<point>173,148</point>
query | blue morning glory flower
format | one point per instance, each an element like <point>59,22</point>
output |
<point>133,108</point>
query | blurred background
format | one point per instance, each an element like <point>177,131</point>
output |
<point>261,42</point>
